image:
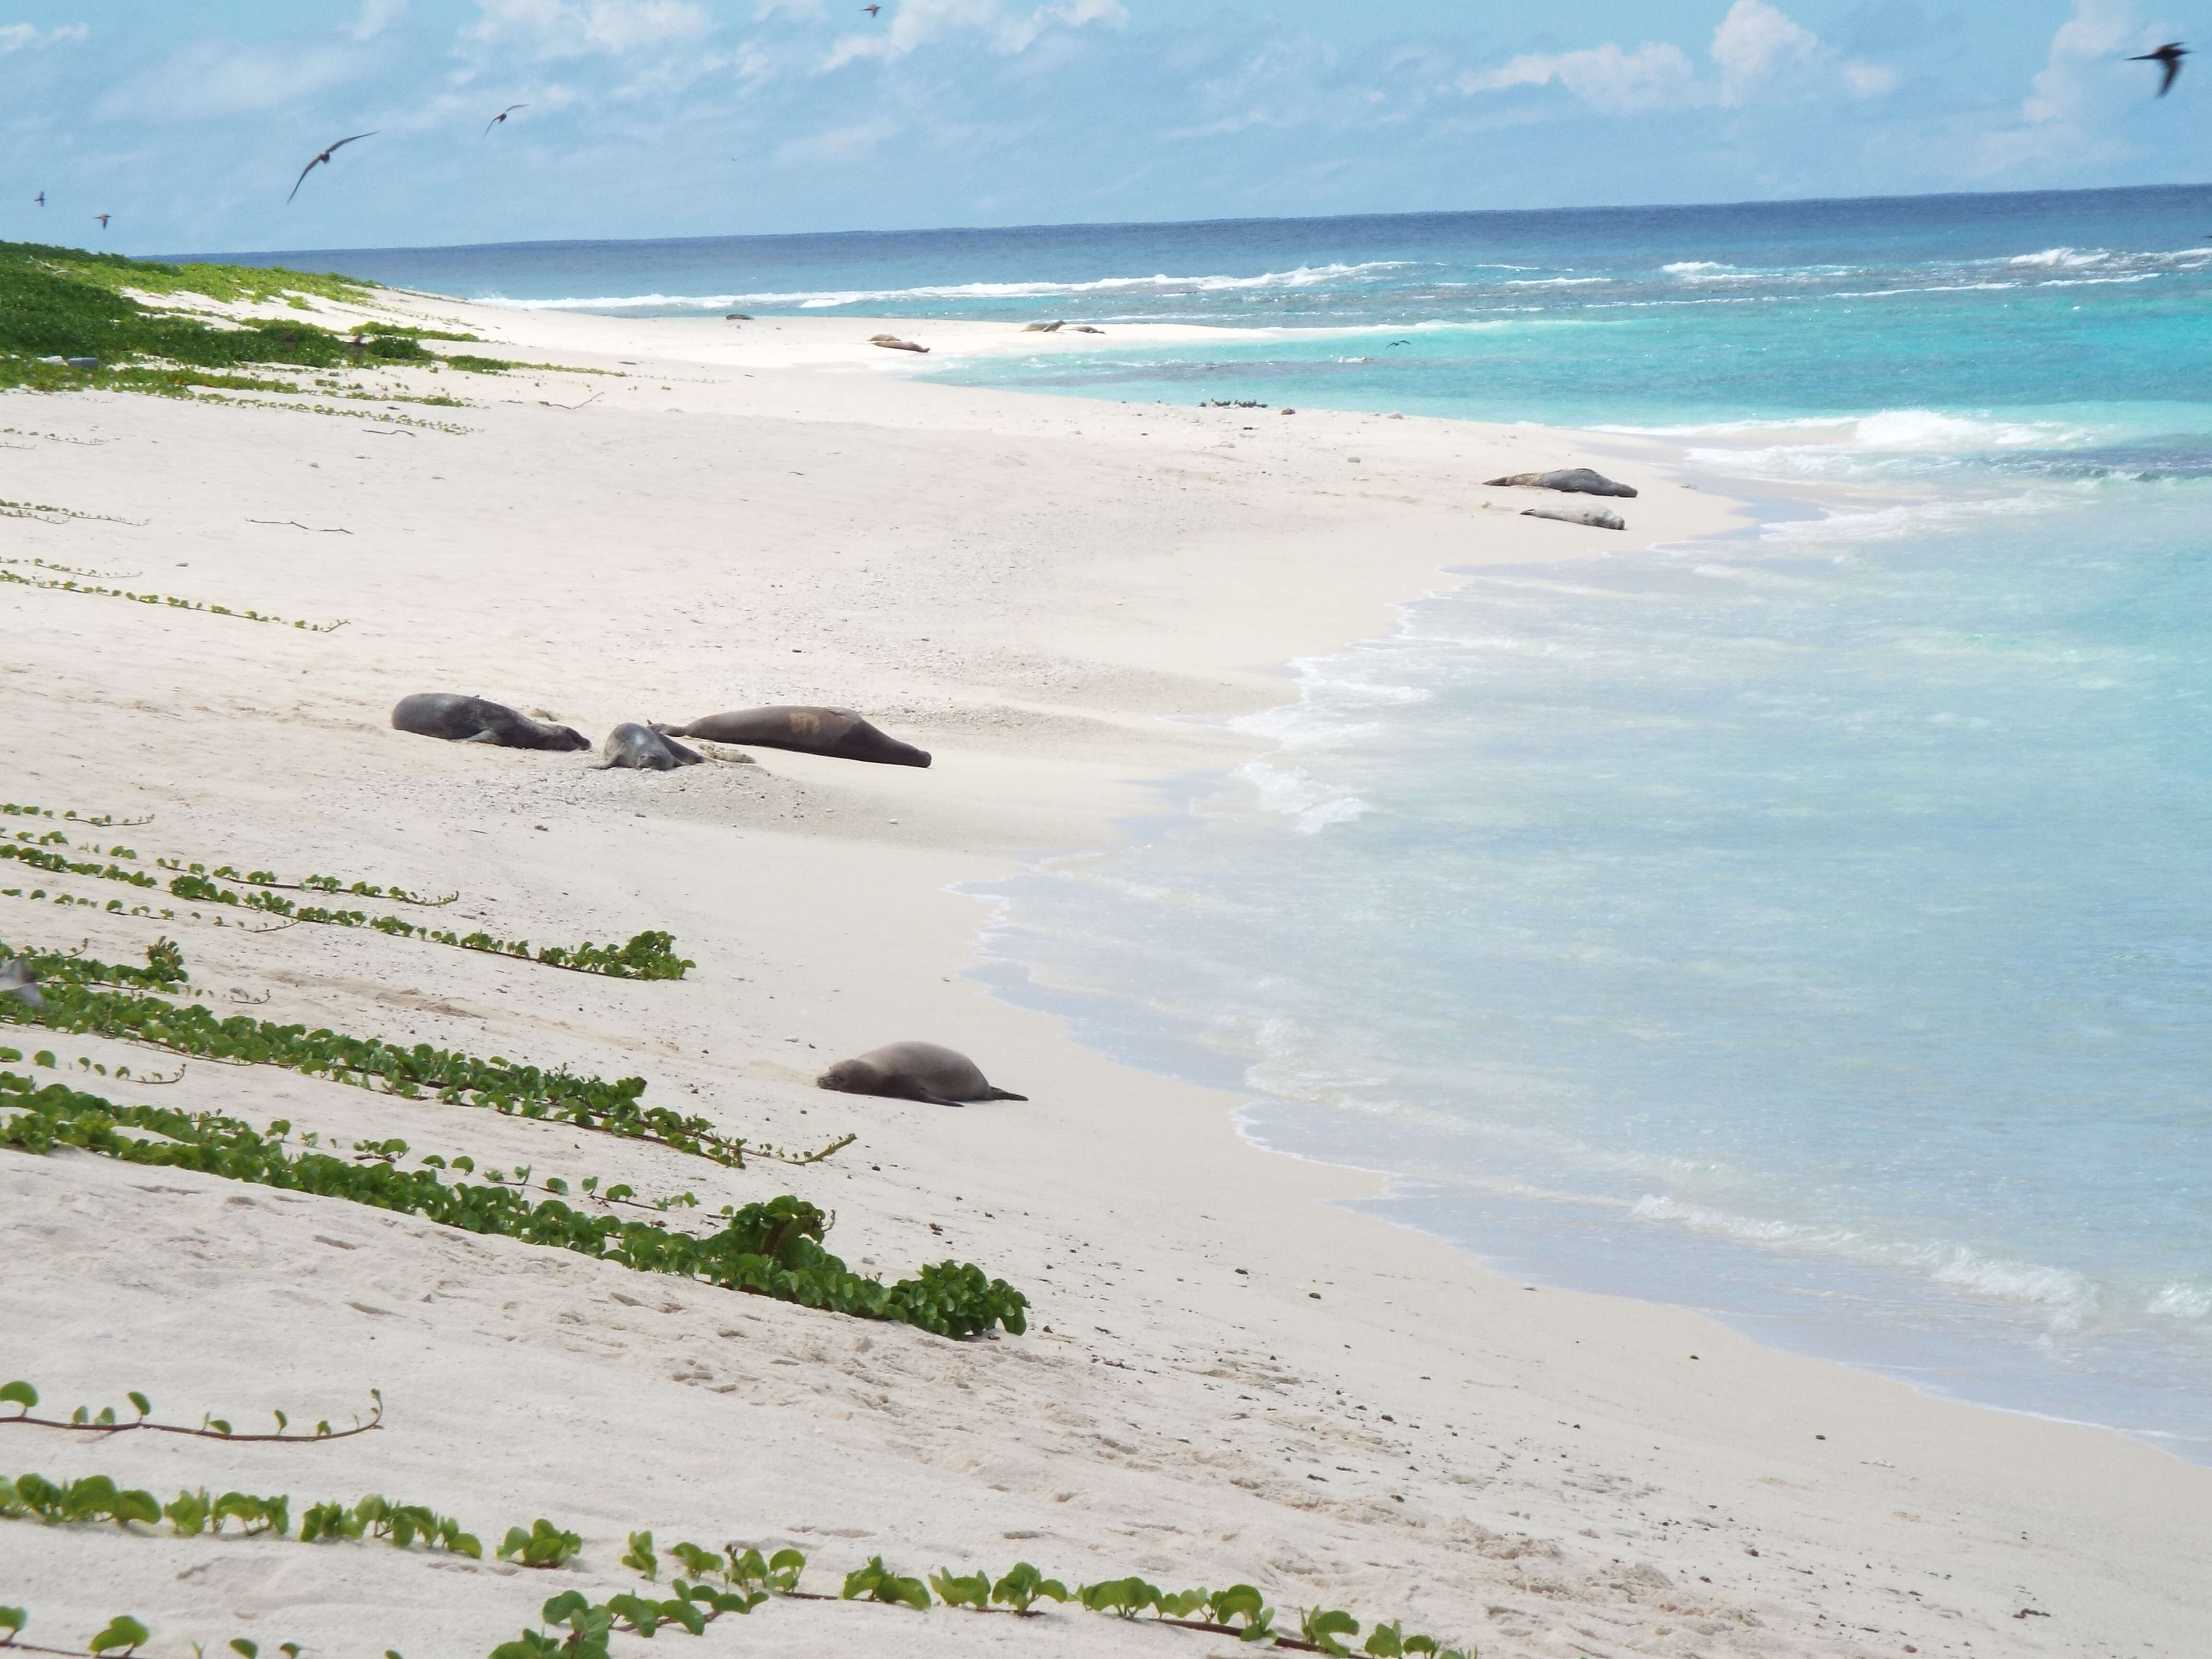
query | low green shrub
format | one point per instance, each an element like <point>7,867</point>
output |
<point>773,1248</point>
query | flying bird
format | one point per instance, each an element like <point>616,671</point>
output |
<point>324,157</point>
<point>872,10</point>
<point>41,198</point>
<point>103,218</point>
<point>2168,57</point>
<point>1398,342</point>
<point>502,116</point>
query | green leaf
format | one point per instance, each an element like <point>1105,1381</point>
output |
<point>20,1394</point>
<point>13,1620</point>
<point>123,1632</point>
<point>1322,1626</point>
<point>241,1645</point>
<point>145,1405</point>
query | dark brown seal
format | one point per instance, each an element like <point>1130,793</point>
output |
<point>838,731</point>
<point>913,1071</point>
<point>456,719</point>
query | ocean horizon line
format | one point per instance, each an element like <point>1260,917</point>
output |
<point>1042,228</point>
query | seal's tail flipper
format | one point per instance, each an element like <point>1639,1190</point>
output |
<point>1001,1093</point>
<point>481,737</point>
<point>684,757</point>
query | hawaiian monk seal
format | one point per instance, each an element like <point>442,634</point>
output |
<point>913,1071</point>
<point>838,731</point>
<point>1573,480</point>
<point>645,750</point>
<point>456,719</point>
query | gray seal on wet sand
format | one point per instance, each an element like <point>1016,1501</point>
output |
<point>644,749</point>
<point>913,1071</point>
<point>456,719</point>
<point>1573,480</point>
<point>837,732</point>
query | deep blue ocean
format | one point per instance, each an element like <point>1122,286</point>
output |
<point>1812,924</point>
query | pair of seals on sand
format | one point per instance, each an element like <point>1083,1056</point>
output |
<point>914,1070</point>
<point>838,733</point>
<point>1573,480</point>
<point>457,719</point>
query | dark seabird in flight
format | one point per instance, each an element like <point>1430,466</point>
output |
<point>103,218</point>
<point>41,198</point>
<point>1398,342</point>
<point>872,10</point>
<point>502,116</point>
<point>324,157</point>
<point>2169,58</point>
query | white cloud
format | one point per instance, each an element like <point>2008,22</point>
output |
<point>916,23</point>
<point>376,17</point>
<point>2076,87</point>
<point>1657,74</point>
<point>209,78</point>
<point>1755,42</point>
<point>577,29</point>
<point>1756,47</point>
<point>18,37</point>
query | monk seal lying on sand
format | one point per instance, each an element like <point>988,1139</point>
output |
<point>456,719</point>
<point>644,749</point>
<point>1597,517</point>
<point>913,1071</point>
<point>838,731</point>
<point>1574,480</point>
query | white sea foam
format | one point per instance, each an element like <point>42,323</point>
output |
<point>816,300</point>
<point>1311,804</point>
<point>1693,267</point>
<point>2179,1301</point>
<point>2063,1296</point>
<point>2062,259</point>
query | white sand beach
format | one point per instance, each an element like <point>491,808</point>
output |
<point>1227,1377</point>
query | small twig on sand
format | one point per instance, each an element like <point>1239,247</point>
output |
<point>594,397</point>
<point>296,525</point>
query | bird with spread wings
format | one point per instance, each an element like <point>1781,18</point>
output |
<point>324,157</point>
<point>496,119</point>
<point>2168,58</point>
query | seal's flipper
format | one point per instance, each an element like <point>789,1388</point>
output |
<point>687,756</point>
<point>1001,1093</point>
<point>481,737</point>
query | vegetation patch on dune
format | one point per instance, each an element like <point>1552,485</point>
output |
<point>773,1249</point>
<point>72,1000</point>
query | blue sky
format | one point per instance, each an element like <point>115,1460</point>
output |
<point>675,118</point>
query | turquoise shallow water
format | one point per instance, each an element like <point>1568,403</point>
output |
<point>1810,925</point>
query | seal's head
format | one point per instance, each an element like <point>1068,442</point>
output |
<point>851,1077</point>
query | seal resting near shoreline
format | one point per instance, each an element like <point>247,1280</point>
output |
<point>1597,517</point>
<point>456,719</point>
<point>837,732</point>
<point>913,1071</point>
<point>1573,480</point>
<point>644,749</point>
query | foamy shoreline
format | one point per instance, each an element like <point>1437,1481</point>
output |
<point>1026,585</point>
